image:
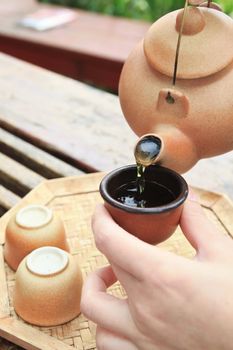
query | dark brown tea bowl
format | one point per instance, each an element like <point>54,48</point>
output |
<point>151,224</point>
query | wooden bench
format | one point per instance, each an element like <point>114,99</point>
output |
<point>92,48</point>
<point>23,166</point>
<point>52,127</point>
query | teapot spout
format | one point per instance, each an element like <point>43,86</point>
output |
<point>148,149</point>
<point>169,147</point>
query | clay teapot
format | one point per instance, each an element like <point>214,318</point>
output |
<point>192,118</point>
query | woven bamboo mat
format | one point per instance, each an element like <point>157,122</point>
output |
<point>74,199</point>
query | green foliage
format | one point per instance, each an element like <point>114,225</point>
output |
<point>142,9</point>
<point>227,6</point>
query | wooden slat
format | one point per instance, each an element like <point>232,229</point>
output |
<point>5,345</point>
<point>29,337</point>
<point>7,198</point>
<point>34,158</point>
<point>17,177</point>
<point>4,301</point>
<point>85,183</point>
<point>2,212</point>
<point>69,119</point>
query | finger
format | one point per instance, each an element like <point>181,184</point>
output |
<point>104,309</point>
<point>124,249</point>
<point>199,231</point>
<point>106,340</point>
<point>128,284</point>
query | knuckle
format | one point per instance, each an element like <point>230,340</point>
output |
<point>140,310</point>
<point>142,317</point>
<point>169,276</point>
<point>162,274</point>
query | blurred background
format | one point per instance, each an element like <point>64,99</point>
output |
<point>148,10</point>
<point>92,45</point>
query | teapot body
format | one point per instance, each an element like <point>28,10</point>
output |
<point>200,127</point>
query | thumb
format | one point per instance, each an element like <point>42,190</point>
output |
<point>199,231</point>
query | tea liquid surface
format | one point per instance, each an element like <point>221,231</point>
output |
<point>154,195</point>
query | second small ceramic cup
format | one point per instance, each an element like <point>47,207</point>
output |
<point>152,225</point>
<point>48,287</point>
<point>32,227</point>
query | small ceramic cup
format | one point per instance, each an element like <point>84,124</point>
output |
<point>152,225</point>
<point>32,227</point>
<point>48,287</point>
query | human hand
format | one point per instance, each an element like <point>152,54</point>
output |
<point>173,303</point>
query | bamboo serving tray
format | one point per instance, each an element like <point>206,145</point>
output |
<point>74,199</point>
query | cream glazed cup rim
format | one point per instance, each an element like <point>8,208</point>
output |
<point>34,216</point>
<point>47,261</point>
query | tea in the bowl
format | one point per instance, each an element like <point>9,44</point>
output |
<point>154,195</point>
<point>153,215</point>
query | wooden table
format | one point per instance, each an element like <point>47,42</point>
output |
<point>52,126</point>
<point>92,48</point>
